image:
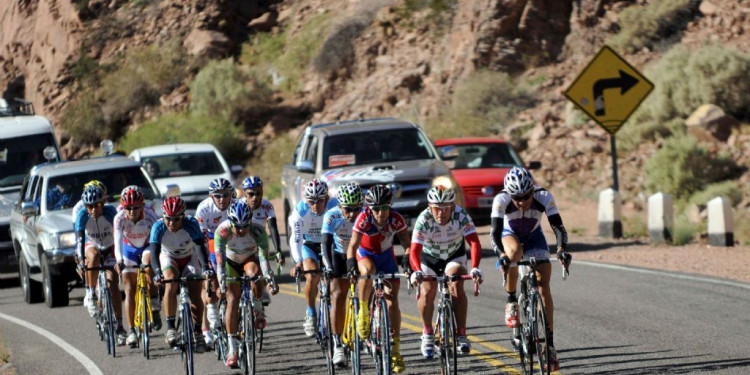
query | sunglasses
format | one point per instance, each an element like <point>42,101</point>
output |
<point>441,208</point>
<point>254,194</point>
<point>519,198</point>
<point>220,195</point>
<point>132,208</point>
<point>350,210</point>
<point>380,208</point>
<point>173,218</point>
<point>316,201</point>
<point>241,227</point>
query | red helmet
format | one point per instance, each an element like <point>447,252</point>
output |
<point>131,196</point>
<point>173,206</point>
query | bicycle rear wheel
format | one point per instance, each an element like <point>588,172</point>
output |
<point>220,333</point>
<point>187,343</point>
<point>448,353</point>
<point>540,337</point>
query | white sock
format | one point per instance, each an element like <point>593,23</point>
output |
<point>232,343</point>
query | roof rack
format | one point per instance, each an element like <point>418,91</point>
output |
<point>339,122</point>
<point>16,107</point>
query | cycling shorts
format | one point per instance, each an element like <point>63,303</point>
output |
<point>385,261</point>
<point>534,244</point>
<point>132,256</point>
<point>182,266</point>
<point>311,250</point>
<point>339,264</point>
<point>234,269</point>
<point>107,255</point>
<point>432,266</point>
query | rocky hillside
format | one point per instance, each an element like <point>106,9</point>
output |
<point>404,58</point>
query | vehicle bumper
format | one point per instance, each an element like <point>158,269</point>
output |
<point>62,262</point>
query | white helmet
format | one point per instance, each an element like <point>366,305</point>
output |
<point>316,189</point>
<point>518,181</point>
<point>441,194</point>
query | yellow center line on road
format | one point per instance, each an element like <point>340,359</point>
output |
<point>292,291</point>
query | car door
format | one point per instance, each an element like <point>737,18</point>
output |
<point>30,222</point>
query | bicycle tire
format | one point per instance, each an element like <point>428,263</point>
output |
<point>220,332</point>
<point>327,343</point>
<point>384,338</point>
<point>110,321</point>
<point>540,336</point>
<point>525,352</point>
<point>145,313</point>
<point>448,352</point>
<point>356,345</point>
<point>249,340</point>
<point>259,332</point>
<point>187,345</point>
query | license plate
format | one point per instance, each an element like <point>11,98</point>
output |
<point>485,201</point>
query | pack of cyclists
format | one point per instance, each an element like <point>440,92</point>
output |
<point>343,237</point>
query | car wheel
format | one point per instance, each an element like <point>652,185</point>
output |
<point>55,287</point>
<point>32,290</point>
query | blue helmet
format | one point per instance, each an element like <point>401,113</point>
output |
<point>92,195</point>
<point>252,182</point>
<point>219,184</point>
<point>240,213</point>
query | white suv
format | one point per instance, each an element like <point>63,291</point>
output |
<point>190,166</point>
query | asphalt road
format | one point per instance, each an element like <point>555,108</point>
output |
<point>608,320</point>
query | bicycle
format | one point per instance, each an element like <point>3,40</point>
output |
<point>446,321</point>
<point>184,322</point>
<point>379,342</point>
<point>143,313</point>
<point>352,343</point>
<point>220,333</point>
<point>531,337</point>
<point>252,321</point>
<point>105,314</point>
<point>323,333</point>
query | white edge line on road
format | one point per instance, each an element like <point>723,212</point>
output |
<point>87,363</point>
<point>664,273</point>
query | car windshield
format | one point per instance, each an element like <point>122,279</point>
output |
<point>19,154</point>
<point>65,191</point>
<point>375,147</point>
<point>484,155</point>
<point>179,165</point>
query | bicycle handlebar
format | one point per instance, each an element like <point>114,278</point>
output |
<point>254,279</point>
<point>452,278</point>
<point>532,262</point>
<point>184,279</point>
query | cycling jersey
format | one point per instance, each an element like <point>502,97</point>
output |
<point>263,213</point>
<point>306,227</point>
<point>180,244</point>
<point>209,217</point>
<point>336,224</point>
<point>442,241</point>
<point>99,232</point>
<point>239,249</point>
<point>131,238</point>
<point>377,239</point>
<point>523,223</point>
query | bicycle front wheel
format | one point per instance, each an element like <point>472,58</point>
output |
<point>187,340</point>
<point>448,353</point>
<point>109,321</point>
<point>525,350</point>
<point>383,339</point>
<point>355,344</point>
<point>539,335</point>
<point>248,328</point>
<point>326,339</point>
<point>144,311</point>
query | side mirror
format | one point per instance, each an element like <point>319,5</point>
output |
<point>236,170</point>
<point>173,190</point>
<point>534,165</point>
<point>29,209</point>
<point>305,166</point>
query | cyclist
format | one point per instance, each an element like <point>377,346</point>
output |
<point>211,212</point>
<point>370,252</point>
<point>437,248</point>
<point>263,212</point>
<point>306,221</point>
<point>241,249</point>
<point>517,233</point>
<point>177,249</point>
<point>95,246</point>
<point>132,229</point>
<point>79,205</point>
<point>337,231</point>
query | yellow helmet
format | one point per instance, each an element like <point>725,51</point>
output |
<point>96,183</point>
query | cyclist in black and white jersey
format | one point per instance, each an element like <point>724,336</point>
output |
<point>517,233</point>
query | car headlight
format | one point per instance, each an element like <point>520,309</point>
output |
<point>66,239</point>
<point>446,181</point>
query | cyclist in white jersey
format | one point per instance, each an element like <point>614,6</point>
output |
<point>177,249</point>
<point>79,205</point>
<point>437,249</point>
<point>337,228</point>
<point>132,230</point>
<point>241,249</point>
<point>211,212</point>
<point>517,233</point>
<point>95,245</point>
<point>263,213</point>
<point>306,221</point>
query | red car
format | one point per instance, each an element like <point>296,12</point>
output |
<point>479,165</point>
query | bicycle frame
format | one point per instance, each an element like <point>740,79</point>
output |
<point>143,314</point>
<point>352,344</point>
<point>379,342</point>
<point>105,316</point>
<point>250,326</point>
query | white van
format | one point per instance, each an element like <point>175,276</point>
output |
<point>23,138</point>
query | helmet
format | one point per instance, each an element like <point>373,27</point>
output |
<point>350,194</point>
<point>518,181</point>
<point>240,213</point>
<point>252,182</point>
<point>219,184</point>
<point>316,189</point>
<point>96,183</point>
<point>92,195</point>
<point>441,194</point>
<point>131,196</point>
<point>173,206</point>
<point>378,195</point>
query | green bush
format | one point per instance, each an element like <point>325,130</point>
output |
<point>143,75</point>
<point>484,103</point>
<point>189,127</point>
<point>717,74</point>
<point>681,168</point>
<point>338,48</point>
<point>646,25</point>
<point>684,230</point>
<point>634,227</point>
<point>729,189</point>
<point>227,91</point>
<point>83,119</point>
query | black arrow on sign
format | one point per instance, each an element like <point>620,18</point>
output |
<point>625,82</point>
